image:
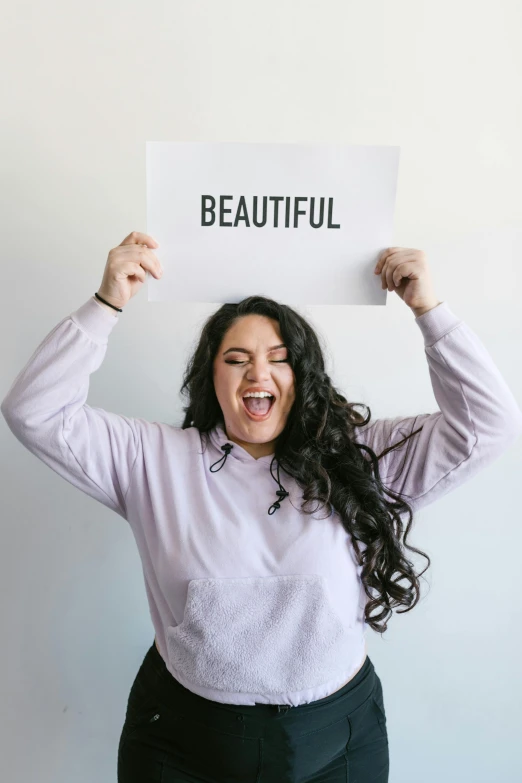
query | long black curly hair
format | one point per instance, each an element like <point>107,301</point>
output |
<point>317,448</point>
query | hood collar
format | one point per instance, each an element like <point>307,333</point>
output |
<point>218,437</point>
<point>228,448</point>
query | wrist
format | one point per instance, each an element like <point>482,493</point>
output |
<point>418,311</point>
<point>105,306</point>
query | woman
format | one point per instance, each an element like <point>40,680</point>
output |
<point>270,530</point>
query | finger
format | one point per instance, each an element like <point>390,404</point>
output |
<point>383,275</point>
<point>392,262</point>
<point>403,270</point>
<point>393,259</point>
<point>138,238</point>
<point>389,273</point>
<point>390,252</point>
<point>155,267</point>
<point>132,268</point>
<point>148,261</point>
<point>387,269</point>
<point>139,251</point>
<point>380,261</point>
<point>383,256</point>
<point>390,269</point>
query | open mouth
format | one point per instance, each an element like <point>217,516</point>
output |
<point>258,416</point>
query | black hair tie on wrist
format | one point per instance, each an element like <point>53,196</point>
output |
<point>119,309</point>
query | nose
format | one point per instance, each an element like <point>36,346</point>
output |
<point>259,371</point>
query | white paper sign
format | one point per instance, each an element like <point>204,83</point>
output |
<point>299,223</point>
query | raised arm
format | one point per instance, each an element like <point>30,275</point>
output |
<point>478,419</point>
<point>45,407</point>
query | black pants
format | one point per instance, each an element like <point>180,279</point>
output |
<point>172,735</point>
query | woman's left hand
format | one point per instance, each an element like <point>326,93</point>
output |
<point>405,271</point>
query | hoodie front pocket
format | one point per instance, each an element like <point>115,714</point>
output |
<point>260,635</point>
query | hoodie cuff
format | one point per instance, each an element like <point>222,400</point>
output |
<point>94,320</point>
<point>437,322</point>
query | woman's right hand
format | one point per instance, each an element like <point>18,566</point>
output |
<point>127,267</point>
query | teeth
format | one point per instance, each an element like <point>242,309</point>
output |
<point>258,394</point>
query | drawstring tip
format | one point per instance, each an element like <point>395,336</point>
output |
<point>227,448</point>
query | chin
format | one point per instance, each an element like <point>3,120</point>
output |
<point>258,431</point>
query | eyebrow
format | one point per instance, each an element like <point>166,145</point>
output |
<point>243,350</point>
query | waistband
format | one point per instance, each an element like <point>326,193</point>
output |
<point>337,704</point>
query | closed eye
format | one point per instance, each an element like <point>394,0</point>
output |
<point>275,361</point>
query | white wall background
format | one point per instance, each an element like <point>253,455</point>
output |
<point>85,85</point>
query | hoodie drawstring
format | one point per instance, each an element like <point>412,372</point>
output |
<point>227,448</point>
<point>281,492</point>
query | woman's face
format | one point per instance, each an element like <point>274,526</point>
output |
<point>259,364</point>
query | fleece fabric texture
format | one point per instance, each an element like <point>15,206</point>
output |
<point>249,606</point>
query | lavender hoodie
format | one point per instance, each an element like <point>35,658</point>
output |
<point>250,606</point>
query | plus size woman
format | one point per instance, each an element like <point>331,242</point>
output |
<point>272,524</point>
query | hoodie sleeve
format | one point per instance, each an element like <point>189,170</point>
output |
<point>478,418</point>
<point>45,408</point>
